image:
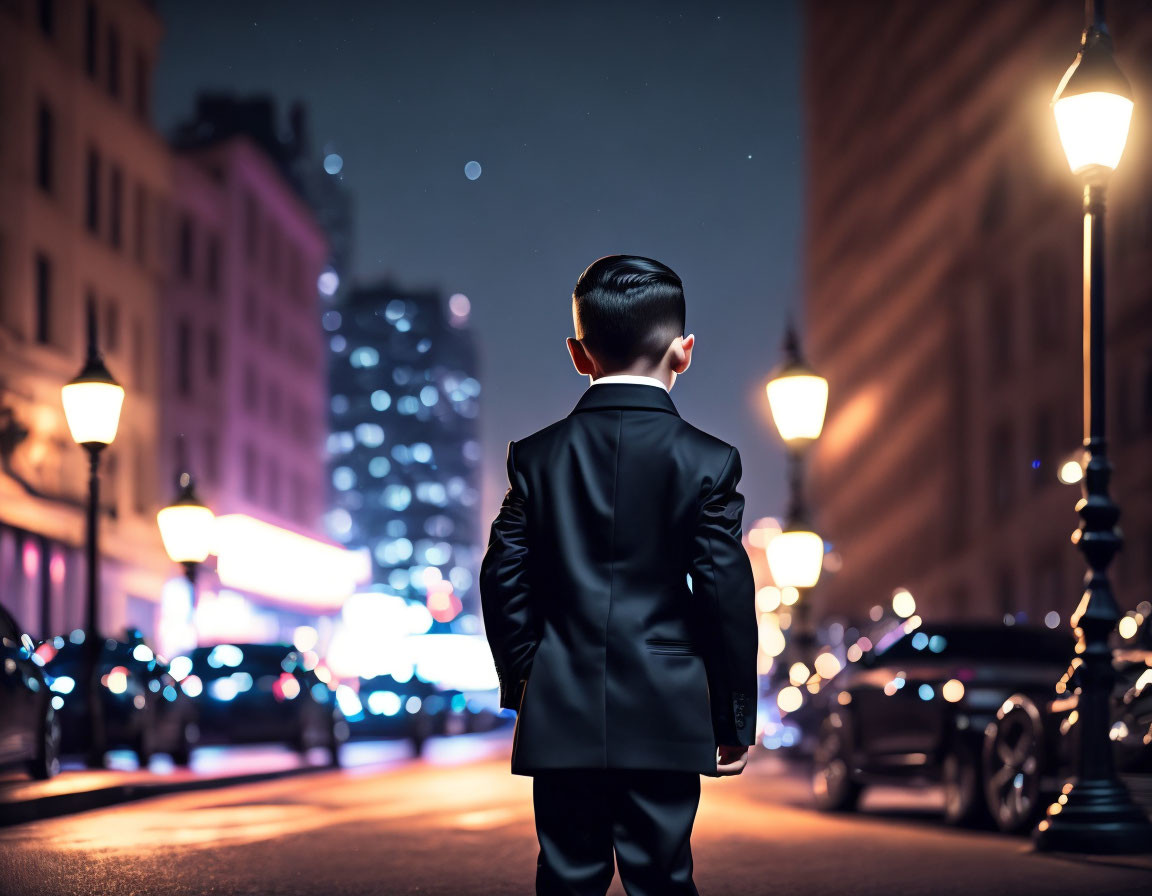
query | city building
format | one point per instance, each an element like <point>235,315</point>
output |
<point>84,179</point>
<point>403,448</point>
<point>943,269</point>
<point>245,376</point>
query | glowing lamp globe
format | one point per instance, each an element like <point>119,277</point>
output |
<point>1093,107</point>
<point>186,526</point>
<point>795,558</point>
<point>92,404</point>
<point>798,399</point>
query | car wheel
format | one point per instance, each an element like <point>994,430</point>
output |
<point>333,746</point>
<point>833,787</point>
<point>963,796</point>
<point>46,763</point>
<point>1012,765</point>
<point>182,752</point>
<point>144,747</point>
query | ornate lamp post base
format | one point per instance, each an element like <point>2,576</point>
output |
<point>1096,817</point>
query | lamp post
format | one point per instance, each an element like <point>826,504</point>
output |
<point>798,398</point>
<point>92,403</point>
<point>186,530</point>
<point>1093,108</point>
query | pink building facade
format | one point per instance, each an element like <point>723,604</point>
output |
<point>245,374</point>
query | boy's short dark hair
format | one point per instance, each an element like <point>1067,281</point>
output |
<point>626,307</point>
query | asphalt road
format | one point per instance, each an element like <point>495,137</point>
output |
<point>461,825</point>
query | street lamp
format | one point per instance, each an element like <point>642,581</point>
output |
<point>1093,107</point>
<point>186,529</point>
<point>92,403</point>
<point>798,398</point>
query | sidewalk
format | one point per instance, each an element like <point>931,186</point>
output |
<point>77,789</point>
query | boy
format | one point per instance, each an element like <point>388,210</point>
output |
<point>629,683</point>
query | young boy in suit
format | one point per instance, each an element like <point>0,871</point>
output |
<point>619,603</point>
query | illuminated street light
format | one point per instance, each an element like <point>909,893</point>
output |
<point>1071,471</point>
<point>798,398</point>
<point>903,603</point>
<point>795,558</point>
<point>1093,106</point>
<point>186,528</point>
<point>92,403</point>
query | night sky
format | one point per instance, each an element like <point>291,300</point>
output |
<point>667,129</point>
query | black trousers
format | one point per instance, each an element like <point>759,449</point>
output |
<point>644,816</point>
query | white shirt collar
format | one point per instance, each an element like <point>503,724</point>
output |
<point>629,378</point>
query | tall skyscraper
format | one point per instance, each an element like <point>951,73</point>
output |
<point>943,305</point>
<point>403,448</point>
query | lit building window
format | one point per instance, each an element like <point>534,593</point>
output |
<point>438,553</point>
<point>432,493</point>
<point>339,523</point>
<point>461,578</point>
<point>366,356</point>
<point>439,526</point>
<point>340,443</point>
<point>370,435</point>
<point>397,497</point>
<point>327,283</point>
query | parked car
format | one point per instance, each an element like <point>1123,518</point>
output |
<point>386,708</point>
<point>29,726</point>
<point>144,709</point>
<point>913,710</point>
<point>263,693</point>
<point>1031,747</point>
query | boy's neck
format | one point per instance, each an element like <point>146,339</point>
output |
<point>656,372</point>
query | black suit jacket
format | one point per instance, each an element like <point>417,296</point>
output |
<point>610,658</point>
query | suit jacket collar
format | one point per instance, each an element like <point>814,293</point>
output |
<point>625,396</point>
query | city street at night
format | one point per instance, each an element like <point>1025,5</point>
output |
<point>459,824</point>
<point>434,435</point>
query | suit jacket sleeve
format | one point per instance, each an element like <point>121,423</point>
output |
<point>505,597</point>
<point>722,578</point>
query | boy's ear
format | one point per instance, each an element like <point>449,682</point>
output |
<point>682,352</point>
<point>580,357</point>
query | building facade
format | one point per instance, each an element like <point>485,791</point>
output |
<point>201,265</point>
<point>245,373</point>
<point>943,269</point>
<point>84,180</point>
<point>403,449</point>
